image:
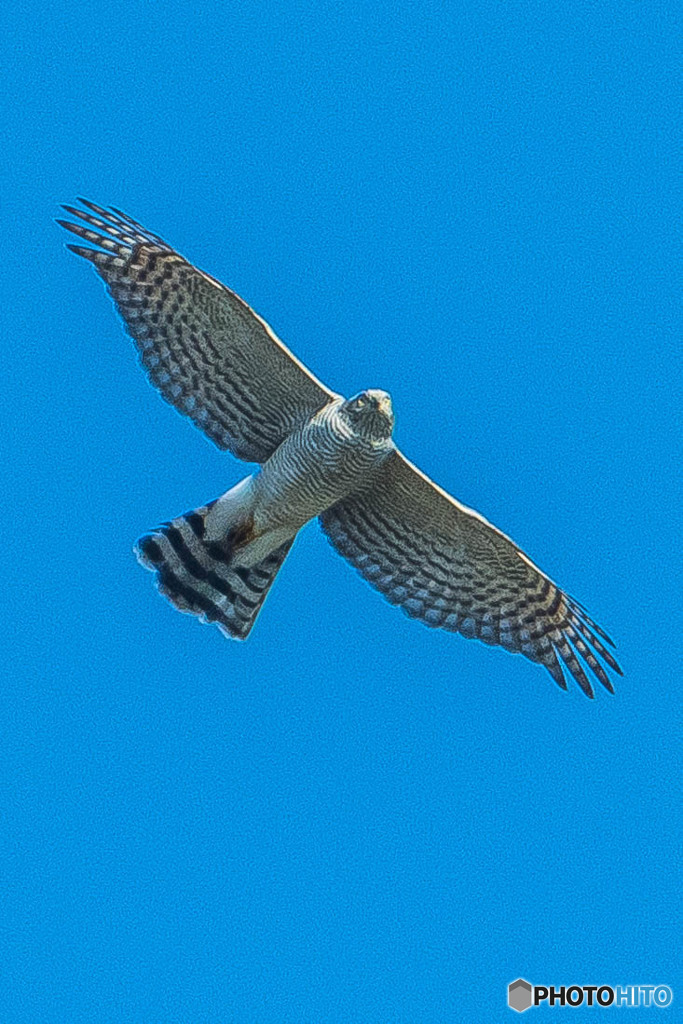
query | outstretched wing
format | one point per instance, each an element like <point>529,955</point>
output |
<point>447,566</point>
<point>205,350</point>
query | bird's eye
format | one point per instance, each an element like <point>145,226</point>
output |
<point>360,402</point>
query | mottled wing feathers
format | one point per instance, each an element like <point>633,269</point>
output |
<point>205,350</point>
<point>445,565</point>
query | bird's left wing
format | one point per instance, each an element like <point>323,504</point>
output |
<point>205,350</point>
<point>447,566</point>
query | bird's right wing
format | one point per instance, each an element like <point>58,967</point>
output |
<point>447,566</point>
<point>205,350</point>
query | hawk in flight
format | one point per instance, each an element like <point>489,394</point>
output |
<point>319,454</point>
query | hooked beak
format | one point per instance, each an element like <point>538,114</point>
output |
<point>385,405</point>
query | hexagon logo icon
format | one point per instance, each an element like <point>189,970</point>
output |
<point>519,995</point>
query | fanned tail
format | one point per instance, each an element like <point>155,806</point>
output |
<point>198,576</point>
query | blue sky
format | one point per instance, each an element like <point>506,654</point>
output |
<point>349,818</point>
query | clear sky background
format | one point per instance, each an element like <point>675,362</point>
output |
<point>349,818</point>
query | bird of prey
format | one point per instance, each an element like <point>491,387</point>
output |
<point>319,455</point>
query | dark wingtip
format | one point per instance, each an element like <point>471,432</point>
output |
<point>91,206</point>
<point>557,675</point>
<point>582,679</point>
<point>591,622</point>
<point>82,250</point>
<point>73,210</point>
<point>75,229</point>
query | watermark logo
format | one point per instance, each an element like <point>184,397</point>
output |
<point>522,995</point>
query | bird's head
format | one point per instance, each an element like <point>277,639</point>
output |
<point>370,414</point>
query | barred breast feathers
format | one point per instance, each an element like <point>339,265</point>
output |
<point>320,463</point>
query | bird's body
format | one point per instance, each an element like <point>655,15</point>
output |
<point>319,455</point>
<point>319,464</point>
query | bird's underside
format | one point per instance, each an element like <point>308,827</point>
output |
<point>217,362</point>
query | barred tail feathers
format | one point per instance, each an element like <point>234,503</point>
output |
<point>202,576</point>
